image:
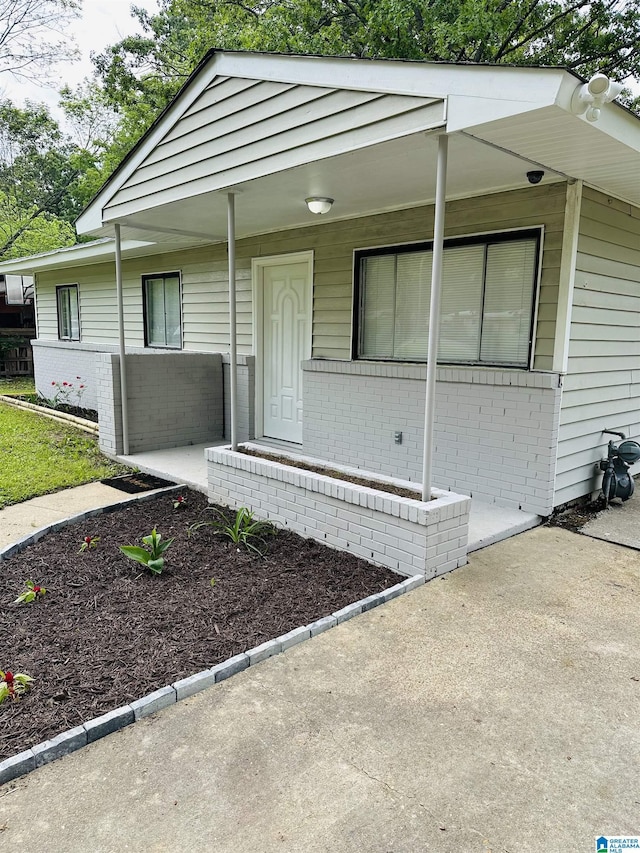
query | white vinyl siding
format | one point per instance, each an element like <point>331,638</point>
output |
<point>205,317</point>
<point>162,311</point>
<point>68,312</point>
<point>240,129</point>
<point>488,289</point>
<point>602,386</point>
<point>205,300</point>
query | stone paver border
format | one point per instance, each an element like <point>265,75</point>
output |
<point>37,535</point>
<point>85,425</point>
<point>66,742</point>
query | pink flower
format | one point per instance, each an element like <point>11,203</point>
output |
<point>65,384</point>
<point>53,383</point>
<point>82,386</point>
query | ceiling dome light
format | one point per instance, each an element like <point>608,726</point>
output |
<point>319,204</point>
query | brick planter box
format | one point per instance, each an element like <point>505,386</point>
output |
<point>409,536</point>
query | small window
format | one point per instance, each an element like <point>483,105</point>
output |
<point>486,309</point>
<point>162,311</point>
<point>68,314</point>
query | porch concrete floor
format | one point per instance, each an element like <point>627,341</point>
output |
<point>488,523</point>
<point>184,465</point>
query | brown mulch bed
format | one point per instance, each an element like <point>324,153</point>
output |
<point>575,516</point>
<point>108,632</point>
<point>380,485</point>
<point>78,411</point>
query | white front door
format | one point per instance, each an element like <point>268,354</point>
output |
<point>286,327</point>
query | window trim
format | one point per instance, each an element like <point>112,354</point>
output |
<point>484,238</point>
<point>150,277</point>
<point>59,289</point>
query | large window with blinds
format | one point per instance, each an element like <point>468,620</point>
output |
<point>487,301</point>
<point>162,310</point>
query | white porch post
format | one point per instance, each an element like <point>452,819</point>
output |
<point>233,347</point>
<point>434,315</point>
<point>121,349</point>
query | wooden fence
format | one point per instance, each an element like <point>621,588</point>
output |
<point>19,360</point>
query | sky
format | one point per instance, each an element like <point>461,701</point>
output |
<point>103,22</point>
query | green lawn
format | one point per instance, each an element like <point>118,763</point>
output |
<point>20,385</point>
<point>38,455</point>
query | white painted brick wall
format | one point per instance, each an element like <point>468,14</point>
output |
<point>495,437</point>
<point>157,414</point>
<point>408,536</point>
<point>64,362</point>
<point>246,412</point>
<point>108,403</point>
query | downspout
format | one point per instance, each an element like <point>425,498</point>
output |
<point>233,347</point>
<point>434,315</point>
<point>121,346</point>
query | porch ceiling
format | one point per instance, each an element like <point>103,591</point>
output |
<point>391,175</point>
<point>601,154</point>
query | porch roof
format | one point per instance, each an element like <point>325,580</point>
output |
<point>280,128</point>
<point>277,129</point>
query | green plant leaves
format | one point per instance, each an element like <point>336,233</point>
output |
<point>242,530</point>
<point>150,557</point>
<point>136,553</point>
<point>13,685</point>
<point>155,543</point>
<point>30,594</point>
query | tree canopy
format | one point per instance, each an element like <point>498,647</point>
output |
<point>141,73</point>
<point>43,176</point>
<point>32,35</point>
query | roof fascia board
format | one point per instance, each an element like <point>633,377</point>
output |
<point>615,122</point>
<point>398,77</point>
<point>465,113</point>
<point>72,257</point>
<point>618,123</point>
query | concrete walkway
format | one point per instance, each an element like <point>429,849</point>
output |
<point>495,709</point>
<point>620,523</point>
<point>18,520</point>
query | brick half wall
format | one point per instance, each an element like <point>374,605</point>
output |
<point>64,362</point>
<point>175,399</point>
<point>496,431</point>
<point>408,536</point>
